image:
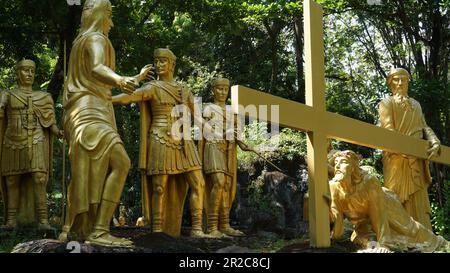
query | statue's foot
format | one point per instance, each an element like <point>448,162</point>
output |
<point>199,234</point>
<point>104,238</point>
<point>217,234</point>
<point>10,224</point>
<point>63,237</point>
<point>232,232</point>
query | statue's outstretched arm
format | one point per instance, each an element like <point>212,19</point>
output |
<point>142,94</point>
<point>96,52</point>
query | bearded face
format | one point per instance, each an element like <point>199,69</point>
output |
<point>342,168</point>
<point>399,85</point>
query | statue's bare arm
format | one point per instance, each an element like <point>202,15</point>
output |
<point>96,56</point>
<point>144,93</point>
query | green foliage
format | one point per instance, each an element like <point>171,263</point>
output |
<point>440,214</point>
<point>288,145</point>
<point>257,199</point>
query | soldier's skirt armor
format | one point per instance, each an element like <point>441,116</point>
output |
<point>166,154</point>
<point>15,156</point>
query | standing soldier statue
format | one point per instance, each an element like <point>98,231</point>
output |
<point>219,163</point>
<point>27,123</point>
<point>169,165</point>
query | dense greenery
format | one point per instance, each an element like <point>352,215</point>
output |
<point>257,43</point>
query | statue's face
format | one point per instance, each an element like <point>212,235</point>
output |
<point>26,75</point>
<point>221,92</point>
<point>108,23</point>
<point>399,84</point>
<point>342,167</point>
<point>162,65</point>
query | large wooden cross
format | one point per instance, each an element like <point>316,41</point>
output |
<point>320,125</point>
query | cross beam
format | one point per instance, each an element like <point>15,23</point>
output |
<point>320,125</point>
<point>301,117</point>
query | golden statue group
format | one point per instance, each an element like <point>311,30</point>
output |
<point>170,166</point>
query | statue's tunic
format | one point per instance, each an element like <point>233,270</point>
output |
<point>26,146</point>
<point>89,124</point>
<point>166,154</point>
<point>217,152</point>
<point>407,176</point>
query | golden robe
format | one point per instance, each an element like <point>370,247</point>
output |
<point>377,209</point>
<point>407,176</point>
<point>90,129</point>
<point>18,130</point>
<point>161,154</point>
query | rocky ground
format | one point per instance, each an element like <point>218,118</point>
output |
<point>146,242</point>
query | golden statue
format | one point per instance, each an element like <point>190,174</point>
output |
<point>169,165</point>
<point>359,197</point>
<point>407,176</point>
<point>122,216</point>
<point>219,165</point>
<point>27,123</point>
<point>98,158</point>
<point>140,222</point>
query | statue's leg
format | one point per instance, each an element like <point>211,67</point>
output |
<point>40,199</point>
<point>159,184</point>
<point>215,198</point>
<point>13,197</point>
<point>119,166</point>
<point>224,211</point>
<point>197,186</point>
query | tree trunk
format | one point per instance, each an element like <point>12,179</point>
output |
<point>67,34</point>
<point>298,44</point>
<point>274,31</point>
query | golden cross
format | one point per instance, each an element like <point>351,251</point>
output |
<point>320,125</point>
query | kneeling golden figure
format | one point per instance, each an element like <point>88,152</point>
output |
<point>358,196</point>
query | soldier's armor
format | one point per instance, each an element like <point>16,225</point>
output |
<point>22,133</point>
<point>216,150</point>
<point>166,154</point>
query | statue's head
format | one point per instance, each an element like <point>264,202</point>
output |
<point>346,165</point>
<point>96,17</point>
<point>25,72</point>
<point>398,81</point>
<point>165,61</point>
<point>220,87</point>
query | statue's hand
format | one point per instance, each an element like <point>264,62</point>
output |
<point>434,150</point>
<point>147,73</point>
<point>60,134</point>
<point>128,84</point>
<point>57,132</point>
